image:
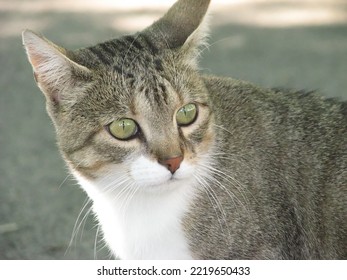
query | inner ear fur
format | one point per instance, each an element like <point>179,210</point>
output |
<point>54,71</point>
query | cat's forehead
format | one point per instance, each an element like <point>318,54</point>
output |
<point>140,71</point>
<point>129,54</point>
<point>143,78</point>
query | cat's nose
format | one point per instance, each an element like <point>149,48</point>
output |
<point>171,163</point>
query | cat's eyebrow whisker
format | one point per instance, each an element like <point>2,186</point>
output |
<point>172,60</point>
<point>207,46</point>
<point>124,59</point>
<point>123,79</point>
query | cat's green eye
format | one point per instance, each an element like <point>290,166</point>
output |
<point>123,129</point>
<point>187,114</point>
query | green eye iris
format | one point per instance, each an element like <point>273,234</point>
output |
<point>123,129</point>
<point>186,115</point>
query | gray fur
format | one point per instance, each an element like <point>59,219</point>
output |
<point>288,155</point>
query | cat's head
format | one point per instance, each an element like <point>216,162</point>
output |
<point>133,110</point>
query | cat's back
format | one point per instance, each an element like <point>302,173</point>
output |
<point>297,117</point>
<point>295,146</point>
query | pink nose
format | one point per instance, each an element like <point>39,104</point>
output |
<point>172,163</point>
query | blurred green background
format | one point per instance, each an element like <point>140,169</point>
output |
<point>295,44</point>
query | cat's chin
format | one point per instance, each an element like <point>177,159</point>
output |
<point>169,185</point>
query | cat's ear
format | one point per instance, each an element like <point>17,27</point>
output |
<point>183,26</point>
<point>54,72</point>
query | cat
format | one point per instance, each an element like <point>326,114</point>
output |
<point>183,165</point>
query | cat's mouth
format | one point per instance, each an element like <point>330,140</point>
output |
<point>161,187</point>
<point>159,181</point>
<point>149,174</point>
<point>163,180</point>
<point>174,180</point>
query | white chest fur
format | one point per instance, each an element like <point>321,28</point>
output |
<point>148,226</point>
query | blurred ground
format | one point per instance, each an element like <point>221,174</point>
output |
<point>296,44</point>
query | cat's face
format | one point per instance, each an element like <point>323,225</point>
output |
<point>147,129</point>
<point>132,111</point>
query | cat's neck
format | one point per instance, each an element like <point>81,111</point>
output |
<point>143,225</point>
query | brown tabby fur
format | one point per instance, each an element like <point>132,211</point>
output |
<point>277,184</point>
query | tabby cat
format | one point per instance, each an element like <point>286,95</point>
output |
<point>181,165</point>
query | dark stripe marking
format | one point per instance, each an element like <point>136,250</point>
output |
<point>108,48</point>
<point>158,65</point>
<point>133,42</point>
<point>163,92</point>
<point>101,56</point>
<point>149,43</point>
<point>120,71</point>
<point>117,69</point>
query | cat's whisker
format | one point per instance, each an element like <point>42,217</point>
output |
<point>124,188</point>
<point>63,182</point>
<point>229,193</point>
<point>133,189</point>
<point>123,194</point>
<point>227,177</point>
<point>70,175</point>
<point>215,204</point>
<point>95,242</point>
<point>83,222</point>
<point>234,198</point>
<point>243,189</point>
<point>79,222</point>
<point>114,185</point>
<point>219,184</point>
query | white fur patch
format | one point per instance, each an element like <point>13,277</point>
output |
<point>140,209</point>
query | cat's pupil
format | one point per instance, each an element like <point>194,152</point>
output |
<point>123,129</point>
